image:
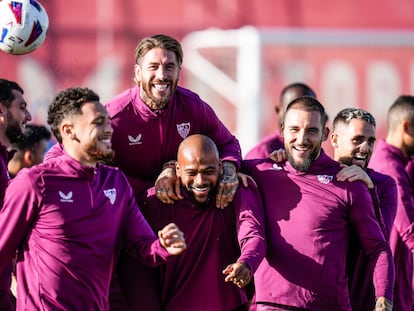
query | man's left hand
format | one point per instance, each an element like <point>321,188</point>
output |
<point>238,273</point>
<point>227,186</point>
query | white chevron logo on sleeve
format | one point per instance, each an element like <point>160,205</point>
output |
<point>135,140</point>
<point>66,197</point>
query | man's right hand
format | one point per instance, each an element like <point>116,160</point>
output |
<point>172,238</point>
<point>167,186</point>
<point>353,173</point>
<point>278,155</point>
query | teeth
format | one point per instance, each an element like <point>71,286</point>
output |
<point>200,188</point>
<point>299,148</point>
<point>161,87</point>
<point>360,157</point>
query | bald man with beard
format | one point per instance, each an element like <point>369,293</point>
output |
<point>225,246</point>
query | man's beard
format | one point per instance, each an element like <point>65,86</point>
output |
<point>211,196</point>
<point>345,160</point>
<point>156,103</point>
<point>13,131</point>
<point>306,163</point>
<point>106,157</point>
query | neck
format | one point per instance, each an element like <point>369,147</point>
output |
<point>14,167</point>
<point>85,160</point>
<point>398,142</point>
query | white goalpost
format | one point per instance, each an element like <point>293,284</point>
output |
<point>339,79</point>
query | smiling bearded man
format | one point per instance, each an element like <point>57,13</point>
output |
<point>304,267</point>
<point>353,139</point>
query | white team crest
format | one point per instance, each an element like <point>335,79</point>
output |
<point>183,129</point>
<point>135,140</point>
<point>110,194</point>
<point>325,179</point>
<point>66,197</point>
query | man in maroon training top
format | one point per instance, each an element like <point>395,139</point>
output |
<point>309,215</point>
<point>70,217</point>
<point>352,139</point>
<point>13,118</point>
<point>390,157</point>
<point>151,119</point>
<point>225,246</point>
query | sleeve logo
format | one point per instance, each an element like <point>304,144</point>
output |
<point>66,197</point>
<point>135,140</point>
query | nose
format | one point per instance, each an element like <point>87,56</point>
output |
<point>28,116</point>
<point>198,179</point>
<point>301,137</point>
<point>364,147</point>
<point>108,128</point>
<point>161,72</point>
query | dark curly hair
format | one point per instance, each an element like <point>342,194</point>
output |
<point>68,103</point>
<point>6,94</point>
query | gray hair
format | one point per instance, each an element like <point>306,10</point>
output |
<point>348,114</point>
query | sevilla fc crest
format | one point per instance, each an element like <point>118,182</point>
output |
<point>183,129</point>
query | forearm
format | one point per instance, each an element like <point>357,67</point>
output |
<point>150,252</point>
<point>384,275</point>
<point>252,252</point>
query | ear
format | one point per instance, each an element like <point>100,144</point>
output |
<point>137,72</point>
<point>277,110</point>
<point>177,169</point>
<point>27,158</point>
<point>3,110</point>
<point>325,134</point>
<point>220,167</point>
<point>334,140</point>
<point>67,131</point>
<point>407,128</point>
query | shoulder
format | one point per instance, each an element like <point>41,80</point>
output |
<point>37,174</point>
<point>149,197</point>
<point>386,157</point>
<point>265,147</point>
<point>380,178</point>
<point>120,101</point>
<point>190,99</point>
<point>107,171</point>
<point>250,190</point>
<point>252,165</point>
<point>55,151</point>
<point>184,93</point>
